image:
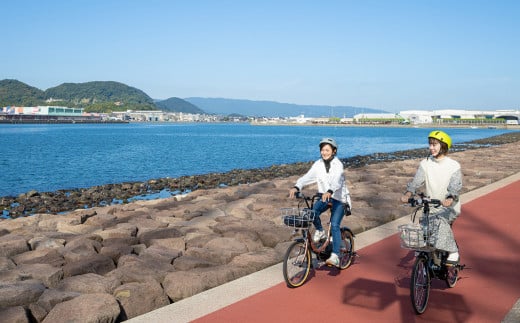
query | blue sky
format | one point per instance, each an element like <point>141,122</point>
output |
<point>391,55</point>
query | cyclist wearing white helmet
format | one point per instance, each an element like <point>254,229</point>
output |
<point>329,174</point>
<point>442,179</point>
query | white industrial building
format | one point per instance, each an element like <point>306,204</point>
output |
<point>44,111</point>
<point>447,116</point>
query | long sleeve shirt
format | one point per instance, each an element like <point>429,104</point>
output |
<point>333,180</point>
<point>441,178</point>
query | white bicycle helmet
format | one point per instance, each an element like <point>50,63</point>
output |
<point>329,141</point>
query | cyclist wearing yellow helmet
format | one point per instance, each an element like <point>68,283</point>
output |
<point>441,177</point>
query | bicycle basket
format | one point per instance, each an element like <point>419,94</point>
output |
<point>297,218</point>
<point>421,236</point>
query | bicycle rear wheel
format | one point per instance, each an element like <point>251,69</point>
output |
<point>346,253</point>
<point>420,285</point>
<point>296,264</point>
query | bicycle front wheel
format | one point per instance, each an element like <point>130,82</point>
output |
<point>346,252</point>
<point>452,276</point>
<point>296,264</point>
<point>420,285</point>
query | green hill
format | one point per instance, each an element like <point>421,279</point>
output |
<point>16,93</point>
<point>97,96</point>
<point>101,96</point>
<point>178,105</point>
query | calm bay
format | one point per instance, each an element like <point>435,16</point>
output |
<point>53,157</point>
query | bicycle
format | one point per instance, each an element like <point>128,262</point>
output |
<point>298,257</point>
<point>430,262</point>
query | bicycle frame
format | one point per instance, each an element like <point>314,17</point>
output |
<point>298,258</point>
<point>316,248</point>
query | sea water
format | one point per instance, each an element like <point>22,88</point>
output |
<point>67,156</point>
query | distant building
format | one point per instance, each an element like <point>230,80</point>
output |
<point>299,119</point>
<point>47,114</point>
<point>44,111</point>
<point>459,116</point>
<point>378,118</point>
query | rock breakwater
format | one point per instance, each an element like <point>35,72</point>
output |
<point>67,200</point>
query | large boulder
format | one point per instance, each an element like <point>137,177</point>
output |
<point>51,297</point>
<point>20,293</point>
<point>257,260</point>
<point>47,274</point>
<point>6,264</point>
<point>11,245</point>
<point>87,308</point>
<point>14,314</point>
<point>164,233</point>
<point>36,312</point>
<point>182,284</point>
<point>41,256</point>
<point>162,253</point>
<point>121,230</point>
<point>185,263</point>
<point>89,284</point>
<point>140,298</point>
<point>169,243</point>
<point>50,222</point>
<point>76,228</point>
<point>96,263</point>
<point>44,242</point>
<point>116,251</point>
<point>80,247</point>
<point>132,268</point>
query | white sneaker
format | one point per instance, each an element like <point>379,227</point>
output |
<point>453,258</point>
<point>333,260</point>
<point>318,235</point>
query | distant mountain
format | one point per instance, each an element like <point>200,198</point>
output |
<point>99,96</point>
<point>178,105</point>
<point>274,109</point>
<point>16,93</point>
<point>104,94</point>
<point>107,96</point>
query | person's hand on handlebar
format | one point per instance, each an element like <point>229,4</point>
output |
<point>447,202</point>
<point>292,192</point>
<point>406,197</point>
<point>325,197</point>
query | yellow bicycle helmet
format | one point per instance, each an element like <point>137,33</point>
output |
<point>441,136</point>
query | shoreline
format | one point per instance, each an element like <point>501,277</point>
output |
<point>378,125</point>
<point>67,200</point>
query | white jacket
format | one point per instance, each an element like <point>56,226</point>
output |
<point>334,180</point>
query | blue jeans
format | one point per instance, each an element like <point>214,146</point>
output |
<point>335,220</point>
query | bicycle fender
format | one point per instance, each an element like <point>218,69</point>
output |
<point>347,229</point>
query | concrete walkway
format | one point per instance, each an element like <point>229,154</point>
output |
<point>375,288</point>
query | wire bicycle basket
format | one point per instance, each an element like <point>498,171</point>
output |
<point>420,236</point>
<point>297,218</point>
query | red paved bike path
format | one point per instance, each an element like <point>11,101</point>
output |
<point>376,287</point>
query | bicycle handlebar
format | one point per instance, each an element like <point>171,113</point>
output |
<point>300,195</point>
<point>307,199</point>
<point>422,200</point>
